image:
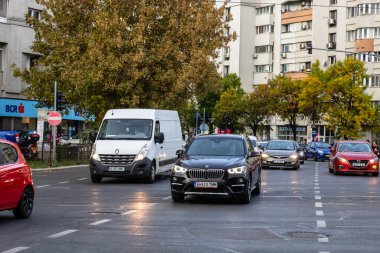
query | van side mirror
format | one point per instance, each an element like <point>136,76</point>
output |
<point>180,152</point>
<point>93,136</point>
<point>159,138</point>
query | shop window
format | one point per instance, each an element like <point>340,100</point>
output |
<point>3,8</point>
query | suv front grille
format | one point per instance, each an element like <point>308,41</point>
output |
<point>206,174</point>
<point>117,159</point>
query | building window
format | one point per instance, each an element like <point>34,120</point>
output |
<point>351,35</point>
<point>263,68</point>
<point>285,28</point>
<point>3,8</point>
<point>227,53</point>
<point>308,66</point>
<point>264,29</point>
<point>332,37</point>
<point>333,18</point>
<point>34,13</point>
<point>227,13</point>
<point>264,49</point>
<point>284,68</point>
<point>375,81</point>
<point>306,25</point>
<point>333,2</point>
<point>227,31</point>
<point>285,48</point>
<point>332,59</point>
<point>264,10</point>
<point>226,70</point>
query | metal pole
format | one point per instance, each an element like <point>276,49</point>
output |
<point>196,123</point>
<point>55,127</point>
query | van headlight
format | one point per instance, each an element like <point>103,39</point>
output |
<point>142,153</point>
<point>178,169</point>
<point>238,170</point>
<point>95,156</point>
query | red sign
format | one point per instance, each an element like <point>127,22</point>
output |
<point>54,118</point>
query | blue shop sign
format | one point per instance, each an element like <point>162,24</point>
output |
<point>27,109</point>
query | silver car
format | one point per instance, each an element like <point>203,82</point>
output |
<point>281,153</point>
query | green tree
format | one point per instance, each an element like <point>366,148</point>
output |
<point>350,108</point>
<point>228,110</point>
<point>109,54</point>
<point>286,93</point>
<point>258,107</point>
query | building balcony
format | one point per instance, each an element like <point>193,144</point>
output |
<point>298,16</point>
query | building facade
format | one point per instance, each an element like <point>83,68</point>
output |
<point>16,37</point>
<point>275,38</point>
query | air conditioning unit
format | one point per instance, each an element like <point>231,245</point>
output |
<point>330,45</point>
<point>308,70</point>
<point>303,3</point>
<point>227,55</point>
<point>332,21</point>
<point>255,56</point>
<point>303,45</point>
<point>283,10</point>
<point>302,68</point>
<point>305,27</point>
<point>283,55</point>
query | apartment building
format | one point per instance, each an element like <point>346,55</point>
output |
<point>16,37</point>
<point>275,38</point>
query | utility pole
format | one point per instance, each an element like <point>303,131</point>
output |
<point>54,128</point>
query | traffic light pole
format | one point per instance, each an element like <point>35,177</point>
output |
<point>54,128</point>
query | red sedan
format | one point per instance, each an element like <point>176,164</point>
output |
<point>353,156</point>
<point>16,183</point>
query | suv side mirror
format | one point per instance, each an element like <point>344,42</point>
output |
<point>159,138</point>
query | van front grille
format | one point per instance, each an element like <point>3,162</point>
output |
<point>117,159</point>
<point>206,174</point>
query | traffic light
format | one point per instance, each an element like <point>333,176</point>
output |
<point>61,101</point>
<point>309,48</point>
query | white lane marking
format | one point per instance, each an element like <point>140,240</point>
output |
<point>317,197</point>
<point>324,251</point>
<point>100,222</point>
<point>129,212</point>
<point>317,192</point>
<point>323,239</point>
<point>151,204</point>
<point>316,187</point>
<point>166,198</point>
<point>319,213</point>
<point>64,182</point>
<point>80,179</point>
<point>318,204</point>
<point>321,223</point>
<point>14,250</point>
<point>66,232</point>
<point>42,186</point>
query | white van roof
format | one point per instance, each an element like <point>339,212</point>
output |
<point>141,114</point>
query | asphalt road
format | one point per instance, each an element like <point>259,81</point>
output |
<point>308,210</point>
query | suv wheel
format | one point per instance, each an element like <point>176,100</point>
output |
<point>178,197</point>
<point>246,197</point>
<point>257,190</point>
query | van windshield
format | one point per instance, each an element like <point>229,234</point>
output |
<point>126,129</point>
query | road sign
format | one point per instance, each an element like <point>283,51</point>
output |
<point>203,127</point>
<point>54,118</point>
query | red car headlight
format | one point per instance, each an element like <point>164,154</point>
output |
<point>374,160</point>
<point>343,160</point>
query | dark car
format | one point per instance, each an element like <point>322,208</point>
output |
<point>281,153</point>
<point>16,183</point>
<point>353,157</point>
<point>217,165</point>
<point>317,151</point>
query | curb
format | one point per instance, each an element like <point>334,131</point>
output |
<point>61,168</point>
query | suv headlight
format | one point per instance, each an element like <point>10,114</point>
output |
<point>178,169</point>
<point>142,153</point>
<point>238,170</point>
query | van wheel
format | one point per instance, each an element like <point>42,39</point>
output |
<point>95,179</point>
<point>152,174</point>
<point>25,205</point>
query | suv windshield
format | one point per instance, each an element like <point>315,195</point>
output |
<point>216,147</point>
<point>126,129</point>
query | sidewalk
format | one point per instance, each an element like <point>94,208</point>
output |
<point>61,167</point>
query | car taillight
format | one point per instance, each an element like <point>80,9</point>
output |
<point>17,137</point>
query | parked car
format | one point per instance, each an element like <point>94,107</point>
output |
<point>281,153</point>
<point>10,135</point>
<point>353,156</point>
<point>16,183</point>
<point>317,151</point>
<point>217,165</point>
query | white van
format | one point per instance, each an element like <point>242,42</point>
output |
<point>135,143</point>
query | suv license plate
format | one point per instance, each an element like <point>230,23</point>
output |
<point>278,161</point>
<point>358,164</point>
<point>205,184</point>
<point>116,169</point>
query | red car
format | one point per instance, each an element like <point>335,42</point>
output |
<point>16,183</point>
<point>353,156</point>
